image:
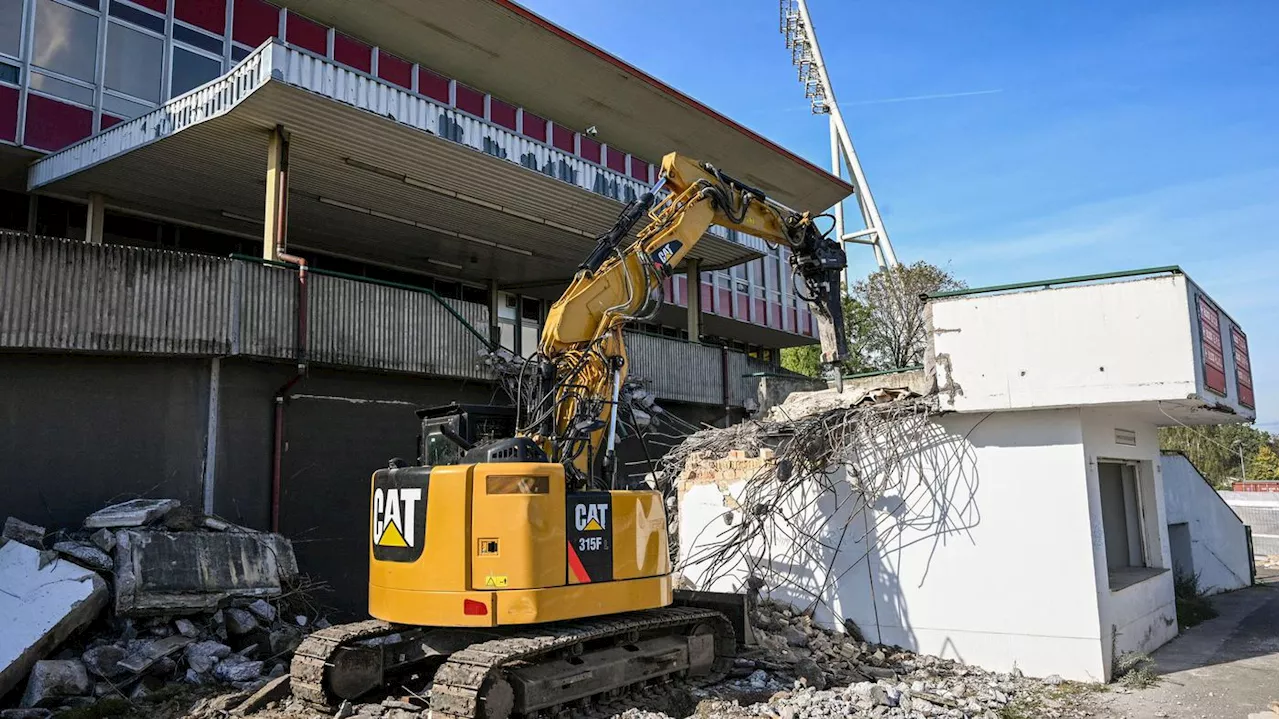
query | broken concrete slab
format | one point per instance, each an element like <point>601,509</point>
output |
<point>263,610</point>
<point>239,621</point>
<point>272,691</point>
<point>152,652</point>
<point>236,668</point>
<point>86,555</point>
<point>19,531</point>
<point>40,607</point>
<point>186,572</point>
<point>52,681</point>
<point>134,513</point>
<point>32,713</point>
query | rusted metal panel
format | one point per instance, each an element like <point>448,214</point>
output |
<point>676,370</point>
<point>60,294</point>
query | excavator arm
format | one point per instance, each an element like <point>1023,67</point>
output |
<point>583,354</point>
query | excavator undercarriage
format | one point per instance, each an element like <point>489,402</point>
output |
<point>546,670</point>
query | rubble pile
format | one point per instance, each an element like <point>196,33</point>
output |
<point>147,593</point>
<point>800,670</point>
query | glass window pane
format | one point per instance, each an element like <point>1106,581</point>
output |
<point>134,62</point>
<point>197,39</point>
<point>136,16</point>
<point>121,107</point>
<point>191,70</point>
<point>66,40</point>
<point>61,88</point>
<point>10,27</point>
<point>9,73</point>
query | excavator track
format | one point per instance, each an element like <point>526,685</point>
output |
<point>472,683</point>
<point>313,659</point>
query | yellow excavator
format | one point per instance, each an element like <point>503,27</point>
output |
<point>515,573</point>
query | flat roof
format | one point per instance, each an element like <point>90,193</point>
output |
<point>508,51</point>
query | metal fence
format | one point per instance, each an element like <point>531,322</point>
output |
<point>65,295</point>
<point>1260,511</point>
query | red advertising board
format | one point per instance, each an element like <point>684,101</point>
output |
<point>1244,374</point>
<point>1215,369</point>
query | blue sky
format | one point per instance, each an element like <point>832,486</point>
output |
<point>1071,138</point>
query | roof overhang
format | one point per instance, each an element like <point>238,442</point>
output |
<point>369,174</point>
<point>512,53</point>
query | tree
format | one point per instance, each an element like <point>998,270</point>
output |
<point>1219,451</point>
<point>1265,464</point>
<point>894,332</point>
<point>884,320</point>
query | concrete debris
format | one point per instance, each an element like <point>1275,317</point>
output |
<point>104,661</point>
<point>196,599</point>
<point>272,691</point>
<point>134,513</point>
<point>161,572</point>
<point>104,539</point>
<point>149,653</point>
<point>40,607</point>
<point>20,531</point>
<point>201,656</point>
<point>85,554</point>
<point>239,621</point>
<point>51,681</point>
<point>236,668</point>
<point>263,610</point>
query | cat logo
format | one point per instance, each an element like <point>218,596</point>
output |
<point>591,517</point>
<point>393,516</point>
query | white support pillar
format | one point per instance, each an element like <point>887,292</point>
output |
<point>693,290</point>
<point>95,217</point>
<point>276,215</point>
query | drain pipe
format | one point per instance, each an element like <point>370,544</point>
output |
<point>282,395</point>
<point>281,206</point>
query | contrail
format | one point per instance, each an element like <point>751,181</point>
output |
<point>941,96</point>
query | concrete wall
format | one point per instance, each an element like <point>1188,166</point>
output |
<point>1219,551</point>
<point>1079,345</point>
<point>985,558</point>
<point>79,431</point>
<point>1139,617</point>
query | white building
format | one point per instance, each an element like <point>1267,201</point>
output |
<point>1035,535</point>
<point>1207,539</point>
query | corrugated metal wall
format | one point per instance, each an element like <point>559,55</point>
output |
<point>64,295</point>
<point>60,294</point>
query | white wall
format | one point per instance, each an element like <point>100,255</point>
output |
<point>993,566</point>
<point>1219,550</point>
<point>1139,617</point>
<point>1076,345</point>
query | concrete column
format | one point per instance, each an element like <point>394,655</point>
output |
<point>276,216</point>
<point>693,287</point>
<point>96,214</point>
<point>495,330</point>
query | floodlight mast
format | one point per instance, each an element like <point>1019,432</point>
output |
<point>797,27</point>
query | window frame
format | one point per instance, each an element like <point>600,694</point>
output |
<point>29,43</point>
<point>22,38</point>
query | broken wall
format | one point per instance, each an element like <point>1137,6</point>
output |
<point>983,554</point>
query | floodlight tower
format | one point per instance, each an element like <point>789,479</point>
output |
<point>802,41</point>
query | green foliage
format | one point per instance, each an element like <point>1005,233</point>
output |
<point>1192,604</point>
<point>1222,451</point>
<point>884,320</point>
<point>1264,465</point>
